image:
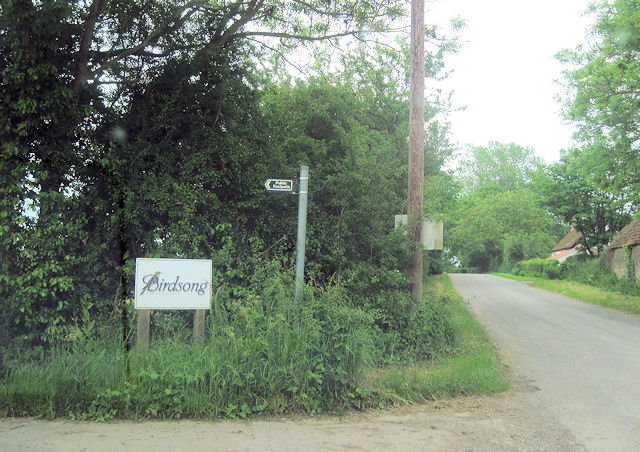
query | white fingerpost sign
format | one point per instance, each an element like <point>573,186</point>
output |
<point>173,284</point>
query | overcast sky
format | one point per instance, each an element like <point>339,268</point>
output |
<point>505,71</point>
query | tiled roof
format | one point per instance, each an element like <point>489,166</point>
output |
<point>559,255</point>
<point>568,241</point>
<point>630,235</point>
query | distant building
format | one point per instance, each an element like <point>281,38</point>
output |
<point>614,255</point>
<point>568,246</point>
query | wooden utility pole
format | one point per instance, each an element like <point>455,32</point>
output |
<point>416,149</point>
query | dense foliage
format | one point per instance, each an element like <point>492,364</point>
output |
<point>598,182</point>
<point>542,268</point>
<point>573,194</point>
<point>134,129</point>
<point>498,167</point>
<point>147,129</point>
<point>499,220</point>
<point>602,89</point>
<point>269,357</point>
<point>263,355</point>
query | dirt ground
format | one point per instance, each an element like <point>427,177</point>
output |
<point>512,421</point>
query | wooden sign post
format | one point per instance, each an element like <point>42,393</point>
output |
<point>142,337</point>
<point>198,327</point>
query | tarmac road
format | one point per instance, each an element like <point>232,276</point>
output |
<point>584,359</point>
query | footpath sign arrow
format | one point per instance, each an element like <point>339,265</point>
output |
<point>279,185</point>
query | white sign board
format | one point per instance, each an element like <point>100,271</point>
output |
<point>173,284</point>
<point>432,233</point>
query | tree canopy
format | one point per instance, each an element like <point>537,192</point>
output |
<point>146,128</point>
<point>498,220</point>
<point>573,193</point>
<point>503,166</point>
<point>602,89</point>
<point>595,185</point>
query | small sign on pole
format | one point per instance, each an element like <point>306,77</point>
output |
<point>286,186</point>
<point>279,185</point>
<point>432,233</point>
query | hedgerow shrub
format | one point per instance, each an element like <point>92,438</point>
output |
<point>583,269</point>
<point>407,335</point>
<point>542,268</point>
<point>263,354</point>
<point>590,270</point>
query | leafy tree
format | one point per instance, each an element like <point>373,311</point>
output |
<point>498,219</point>
<point>117,36</point>
<point>573,192</point>
<point>138,127</point>
<point>351,129</point>
<point>44,142</point>
<point>501,167</point>
<point>184,164</point>
<point>500,228</point>
<point>80,83</point>
<point>334,131</point>
<point>602,89</point>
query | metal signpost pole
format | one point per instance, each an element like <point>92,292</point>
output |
<point>302,230</point>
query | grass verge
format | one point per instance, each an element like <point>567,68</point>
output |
<point>472,369</point>
<point>583,292</point>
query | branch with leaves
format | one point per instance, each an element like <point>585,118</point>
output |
<point>112,36</point>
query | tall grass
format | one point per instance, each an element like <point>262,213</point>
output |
<point>584,292</point>
<point>62,381</point>
<point>464,374</point>
<point>592,271</point>
<point>266,357</point>
<point>472,368</point>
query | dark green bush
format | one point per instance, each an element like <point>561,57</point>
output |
<point>263,354</point>
<point>434,262</point>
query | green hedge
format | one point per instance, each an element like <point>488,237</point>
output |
<point>542,268</point>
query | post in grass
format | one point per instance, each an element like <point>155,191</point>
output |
<point>302,232</point>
